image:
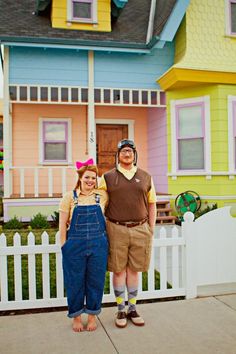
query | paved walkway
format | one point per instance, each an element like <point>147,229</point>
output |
<point>199,326</point>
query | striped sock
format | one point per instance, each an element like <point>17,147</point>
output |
<point>132,298</point>
<point>120,297</point>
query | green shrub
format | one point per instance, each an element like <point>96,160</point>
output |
<point>39,221</point>
<point>13,224</point>
<point>206,210</point>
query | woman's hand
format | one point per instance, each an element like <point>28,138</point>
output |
<point>63,222</point>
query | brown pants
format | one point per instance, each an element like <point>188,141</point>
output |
<point>129,247</point>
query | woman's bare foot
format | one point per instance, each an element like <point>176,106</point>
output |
<point>92,325</point>
<point>77,324</point>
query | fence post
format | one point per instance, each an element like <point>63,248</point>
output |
<point>189,234</point>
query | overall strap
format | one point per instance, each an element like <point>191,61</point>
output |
<point>75,197</point>
<point>97,198</point>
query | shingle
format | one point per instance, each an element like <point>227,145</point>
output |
<point>17,21</point>
<point>163,11</point>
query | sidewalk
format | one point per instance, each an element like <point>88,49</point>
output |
<point>199,326</point>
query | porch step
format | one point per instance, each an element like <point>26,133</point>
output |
<point>164,210</point>
<point>164,213</point>
<point>161,203</point>
<point>166,219</point>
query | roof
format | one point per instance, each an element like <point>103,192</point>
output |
<point>19,24</point>
<point>163,11</point>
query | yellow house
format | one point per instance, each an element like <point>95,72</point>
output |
<point>201,103</point>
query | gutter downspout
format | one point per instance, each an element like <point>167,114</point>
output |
<point>151,21</point>
<point>7,127</point>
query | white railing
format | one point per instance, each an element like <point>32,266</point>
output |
<point>79,95</point>
<point>36,180</point>
<point>167,262</point>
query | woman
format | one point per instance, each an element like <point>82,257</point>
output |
<point>84,246</point>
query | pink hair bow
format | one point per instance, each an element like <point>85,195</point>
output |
<point>80,164</point>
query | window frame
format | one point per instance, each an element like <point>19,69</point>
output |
<point>67,123</point>
<point>93,18</point>
<point>228,17</point>
<point>232,134</point>
<point>204,102</point>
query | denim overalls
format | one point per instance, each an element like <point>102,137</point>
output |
<point>85,259</point>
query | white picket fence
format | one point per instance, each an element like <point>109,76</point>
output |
<point>196,259</point>
<point>167,259</point>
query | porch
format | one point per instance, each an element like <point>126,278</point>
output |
<point>92,120</point>
<point>33,189</point>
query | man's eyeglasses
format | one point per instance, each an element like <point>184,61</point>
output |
<point>126,151</point>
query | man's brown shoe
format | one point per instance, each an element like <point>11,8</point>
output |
<point>135,318</point>
<point>121,320</point>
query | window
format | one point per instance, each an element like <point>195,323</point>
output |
<point>55,141</point>
<point>231,17</point>
<point>190,136</point>
<point>84,11</point>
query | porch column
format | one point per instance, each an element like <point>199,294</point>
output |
<point>91,108</point>
<point>7,127</point>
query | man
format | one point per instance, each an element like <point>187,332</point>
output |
<point>131,217</point>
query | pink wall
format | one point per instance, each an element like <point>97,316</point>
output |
<point>157,148</point>
<point>149,136</point>
<point>25,120</point>
<point>25,126</point>
<point>26,130</point>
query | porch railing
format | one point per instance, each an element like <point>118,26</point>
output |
<point>39,180</point>
<point>47,94</point>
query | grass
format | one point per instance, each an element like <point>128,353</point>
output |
<point>52,260</point>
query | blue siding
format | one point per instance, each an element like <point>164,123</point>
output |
<point>40,66</point>
<point>132,70</point>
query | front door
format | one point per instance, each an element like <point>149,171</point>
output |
<point>108,136</point>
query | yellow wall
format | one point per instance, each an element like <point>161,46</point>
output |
<point>180,41</point>
<point>206,45</point>
<point>59,17</point>
<point>218,185</point>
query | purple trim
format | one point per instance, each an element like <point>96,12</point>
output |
<point>192,137</point>
<point>230,15</point>
<point>157,148</point>
<point>83,19</point>
<point>234,131</point>
<point>45,123</point>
